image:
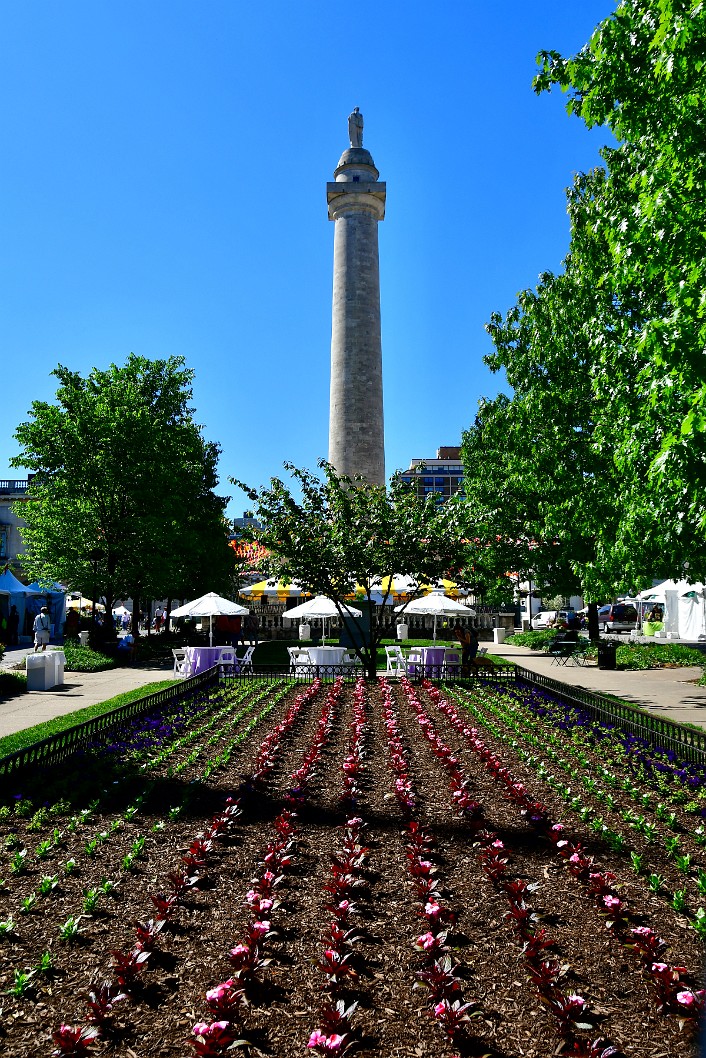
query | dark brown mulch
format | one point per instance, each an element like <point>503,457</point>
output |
<point>392,1018</point>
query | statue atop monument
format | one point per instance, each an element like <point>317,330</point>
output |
<point>355,128</point>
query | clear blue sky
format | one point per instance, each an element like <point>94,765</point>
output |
<point>163,192</point>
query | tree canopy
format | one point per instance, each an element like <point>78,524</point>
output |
<point>342,536</point>
<point>598,459</point>
<point>120,467</point>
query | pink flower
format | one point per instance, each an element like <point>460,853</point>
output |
<point>432,909</point>
<point>239,949</point>
<point>427,941</point>
<point>215,1028</point>
<point>261,927</point>
<point>214,995</point>
<point>576,1002</point>
<point>691,1000</point>
<point>327,1043</point>
<point>612,903</point>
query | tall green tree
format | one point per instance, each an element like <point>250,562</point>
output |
<point>336,534</point>
<point>639,236</point>
<point>598,457</point>
<point>121,467</point>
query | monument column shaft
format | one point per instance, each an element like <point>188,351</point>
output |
<point>356,429</point>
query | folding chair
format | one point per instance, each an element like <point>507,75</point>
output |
<point>396,661</point>
<point>244,664</point>
<point>181,664</point>
<point>226,659</point>
<point>452,663</point>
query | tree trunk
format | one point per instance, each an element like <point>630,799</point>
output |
<point>593,631</point>
<point>136,613</point>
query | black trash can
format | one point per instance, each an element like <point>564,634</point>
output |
<point>606,653</point>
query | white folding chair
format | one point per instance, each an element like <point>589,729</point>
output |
<point>352,660</point>
<point>396,661</point>
<point>414,661</point>
<point>244,664</point>
<point>226,659</point>
<point>181,664</point>
<point>452,662</point>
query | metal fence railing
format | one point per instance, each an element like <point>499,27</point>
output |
<point>689,744</point>
<point>56,748</point>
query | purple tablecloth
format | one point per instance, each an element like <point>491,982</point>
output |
<point>433,661</point>
<point>201,658</point>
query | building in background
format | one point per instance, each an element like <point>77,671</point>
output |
<point>11,546</point>
<point>441,477</point>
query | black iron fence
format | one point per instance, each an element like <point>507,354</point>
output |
<point>64,744</point>
<point>688,743</point>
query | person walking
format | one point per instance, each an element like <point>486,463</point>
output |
<point>41,628</point>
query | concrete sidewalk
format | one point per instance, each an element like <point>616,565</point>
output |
<point>671,693</point>
<point>80,690</point>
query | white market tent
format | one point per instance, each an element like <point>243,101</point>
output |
<point>210,605</point>
<point>16,594</point>
<point>320,608</point>
<point>436,605</point>
<point>53,596</point>
<point>684,607</point>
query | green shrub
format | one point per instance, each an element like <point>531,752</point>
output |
<point>656,655</point>
<point>12,683</point>
<point>535,640</point>
<point>84,659</point>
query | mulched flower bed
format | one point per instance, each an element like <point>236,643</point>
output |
<point>373,869</point>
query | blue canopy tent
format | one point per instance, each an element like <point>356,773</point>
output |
<point>53,596</point>
<point>14,593</point>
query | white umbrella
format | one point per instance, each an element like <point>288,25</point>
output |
<point>437,605</point>
<point>210,605</point>
<point>320,608</point>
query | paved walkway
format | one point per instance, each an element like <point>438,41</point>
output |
<point>80,690</point>
<point>671,693</point>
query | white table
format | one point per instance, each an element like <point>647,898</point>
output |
<point>326,655</point>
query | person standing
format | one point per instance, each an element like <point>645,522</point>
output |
<point>468,638</point>
<point>41,629</point>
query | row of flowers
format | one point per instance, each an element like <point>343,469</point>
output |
<point>128,966</point>
<point>228,1001</point>
<point>672,856</point>
<point>335,1032</point>
<point>440,970</point>
<point>673,995</point>
<point>569,1011</point>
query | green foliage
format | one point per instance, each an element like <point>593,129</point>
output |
<point>12,684</point>
<point>344,533</point>
<point>535,640</point>
<point>655,656</point>
<point>121,466</point>
<point>84,659</point>
<point>593,472</point>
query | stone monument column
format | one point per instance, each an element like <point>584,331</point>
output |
<point>356,203</point>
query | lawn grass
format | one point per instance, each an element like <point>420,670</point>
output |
<point>30,735</point>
